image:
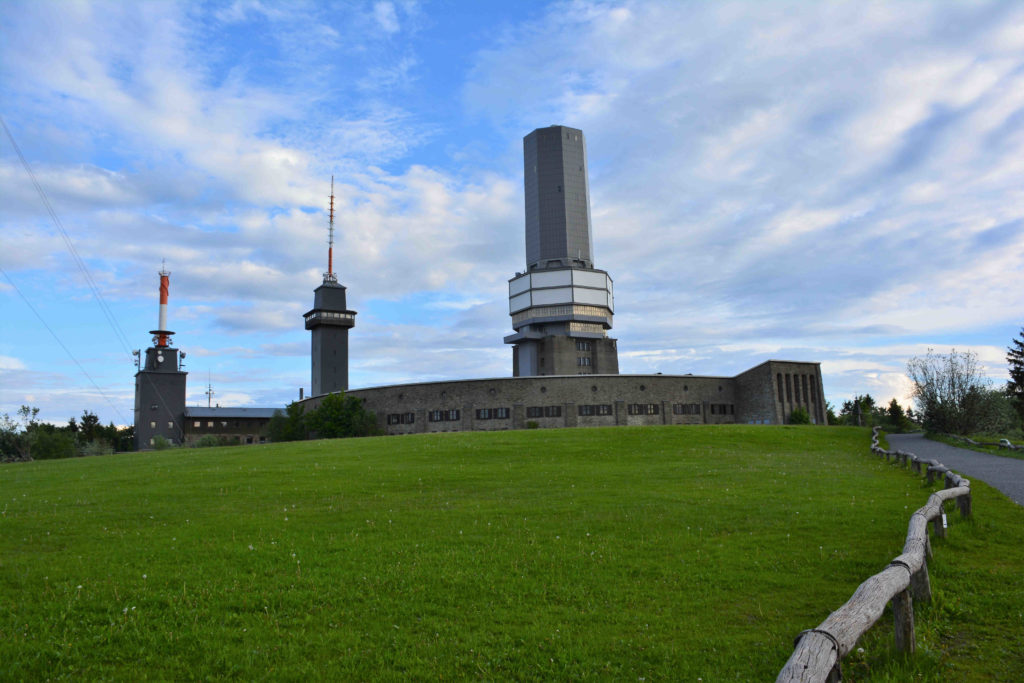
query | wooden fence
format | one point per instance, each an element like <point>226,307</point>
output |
<point>819,651</point>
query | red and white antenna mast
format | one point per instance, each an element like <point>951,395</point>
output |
<point>329,276</point>
<point>161,336</point>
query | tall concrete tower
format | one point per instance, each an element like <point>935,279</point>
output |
<point>160,384</point>
<point>329,321</point>
<point>562,306</point>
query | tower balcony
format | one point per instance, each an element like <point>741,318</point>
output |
<point>317,317</point>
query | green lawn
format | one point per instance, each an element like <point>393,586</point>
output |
<point>657,553</point>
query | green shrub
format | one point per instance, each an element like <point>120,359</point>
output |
<point>161,443</point>
<point>532,424</point>
<point>800,416</point>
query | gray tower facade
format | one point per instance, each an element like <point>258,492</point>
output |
<point>329,321</point>
<point>159,397</point>
<point>562,306</point>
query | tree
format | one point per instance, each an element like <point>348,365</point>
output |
<point>1015,387</point>
<point>799,416</point>
<point>288,425</point>
<point>340,416</point>
<point>949,391</point>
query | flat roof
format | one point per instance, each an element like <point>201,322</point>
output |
<point>218,411</point>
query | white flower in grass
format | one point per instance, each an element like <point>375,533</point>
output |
<point>250,547</point>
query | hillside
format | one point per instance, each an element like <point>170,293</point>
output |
<point>621,553</point>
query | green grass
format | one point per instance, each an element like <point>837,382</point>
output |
<point>994,450</point>
<point>614,554</point>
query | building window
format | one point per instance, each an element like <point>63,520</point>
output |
<point>604,409</point>
<point>723,409</point>
<point>408,418</point>
<point>596,409</point>
<point>210,423</point>
<point>789,389</point>
<point>803,381</point>
<point>586,410</point>
<point>582,346</point>
<point>500,413</point>
<point>451,415</point>
<point>583,361</point>
<point>170,424</point>
<point>394,418</point>
<point>152,424</point>
<point>483,413</point>
<point>644,409</point>
<point>686,408</point>
<point>197,423</point>
<point>779,378</point>
<point>544,411</point>
<point>435,416</point>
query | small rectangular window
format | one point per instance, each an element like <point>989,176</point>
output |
<point>408,418</point>
<point>483,413</point>
<point>552,411</point>
<point>604,409</point>
<point>435,416</point>
<point>197,423</point>
<point>534,411</point>
<point>152,424</point>
<point>170,425</point>
<point>500,413</point>
<point>451,415</point>
<point>586,410</point>
<point>210,423</point>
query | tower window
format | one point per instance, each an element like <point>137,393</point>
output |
<point>152,424</point>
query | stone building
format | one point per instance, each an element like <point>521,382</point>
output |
<point>765,394</point>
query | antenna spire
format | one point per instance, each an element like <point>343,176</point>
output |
<point>329,276</point>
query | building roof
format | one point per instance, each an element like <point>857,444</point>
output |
<point>233,413</point>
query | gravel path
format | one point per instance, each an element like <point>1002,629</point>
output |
<point>1005,474</point>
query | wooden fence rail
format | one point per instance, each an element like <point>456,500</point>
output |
<point>819,651</point>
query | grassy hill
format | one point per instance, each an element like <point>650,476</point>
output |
<point>625,553</point>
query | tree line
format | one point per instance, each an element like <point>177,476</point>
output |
<point>338,416</point>
<point>25,437</point>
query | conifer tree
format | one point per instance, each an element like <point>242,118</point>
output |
<point>1015,387</point>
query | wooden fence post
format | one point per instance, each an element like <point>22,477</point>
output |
<point>903,616</point>
<point>964,503</point>
<point>940,531</point>
<point>920,584</point>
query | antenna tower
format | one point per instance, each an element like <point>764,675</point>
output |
<point>329,276</point>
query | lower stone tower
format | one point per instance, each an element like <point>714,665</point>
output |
<point>160,385</point>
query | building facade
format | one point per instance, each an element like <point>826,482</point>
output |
<point>561,306</point>
<point>230,426</point>
<point>765,394</point>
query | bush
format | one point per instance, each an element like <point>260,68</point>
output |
<point>532,424</point>
<point>208,441</point>
<point>800,416</point>
<point>161,443</point>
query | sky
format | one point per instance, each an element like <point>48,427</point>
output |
<point>840,182</point>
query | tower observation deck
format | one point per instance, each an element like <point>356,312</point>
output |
<point>562,306</point>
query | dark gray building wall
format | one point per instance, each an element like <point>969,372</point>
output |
<point>557,196</point>
<point>623,400</point>
<point>159,398</point>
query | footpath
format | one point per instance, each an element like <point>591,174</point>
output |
<point>1005,474</point>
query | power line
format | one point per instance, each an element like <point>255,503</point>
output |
<point>66,349</point>
<point>118,331</point>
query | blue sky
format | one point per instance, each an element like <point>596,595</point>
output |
<point>839,182</point>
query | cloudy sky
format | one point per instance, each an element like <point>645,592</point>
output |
<point>837,182</point>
